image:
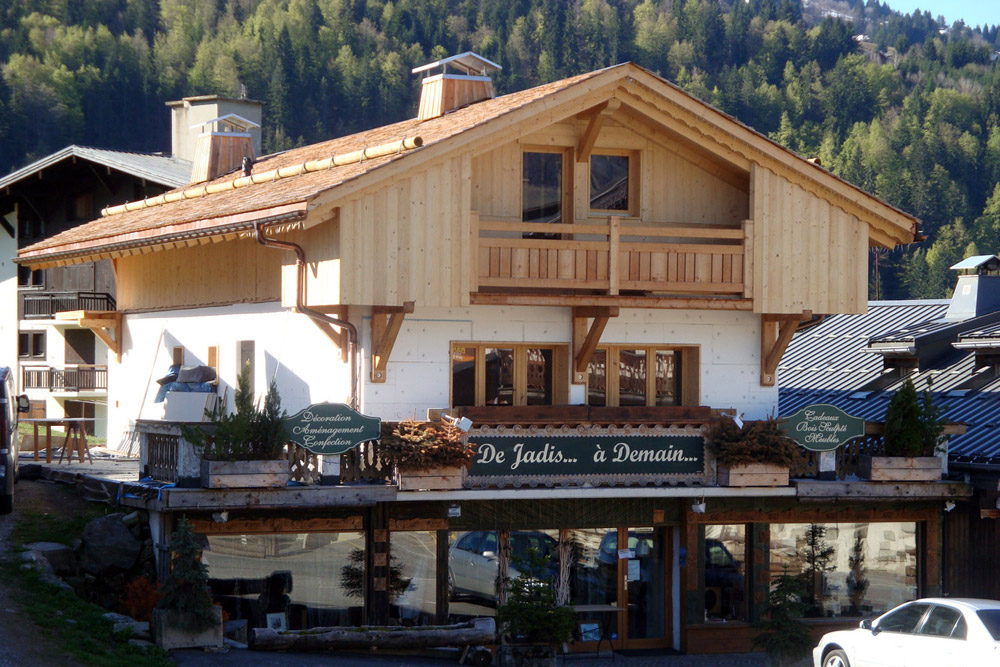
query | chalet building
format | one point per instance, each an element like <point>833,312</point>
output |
<point>63,365</point>
<point>590,271</point>
<point>947,347</point>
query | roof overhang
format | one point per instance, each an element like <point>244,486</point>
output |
<point>197,232</point>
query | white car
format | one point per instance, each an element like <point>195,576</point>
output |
<point>937,632</point>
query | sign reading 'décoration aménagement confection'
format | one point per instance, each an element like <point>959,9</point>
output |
<point>579,454</point>
<point>822,427</point>
<point>331,428</point>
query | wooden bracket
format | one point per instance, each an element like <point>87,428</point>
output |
<point>106,325</point>
<point>386,322</point>
<point>585,340</point>
<point>775,334</point>
<point>589,138</point>
<point>340,338</point>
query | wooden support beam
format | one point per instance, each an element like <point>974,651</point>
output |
<point>106,325</point>
<point>589,137</point>
<point>775,334</point>
<point>585,340</point>
<point>386,322</point>
<point>339,338</point>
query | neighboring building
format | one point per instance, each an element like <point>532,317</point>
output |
<point>857,362</point>
<point>63,365</point>
<point>593,268</point>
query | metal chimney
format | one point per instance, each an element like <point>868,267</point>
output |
<point>978,291</point>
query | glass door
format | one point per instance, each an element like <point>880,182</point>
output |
<point>644,574</point>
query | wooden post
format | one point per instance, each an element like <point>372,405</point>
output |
<point>613,255</point>
<point>441,605</point>
<point>378,558</point>
<point>37,443</point>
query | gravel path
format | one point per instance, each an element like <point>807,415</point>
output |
<point>21,641</point>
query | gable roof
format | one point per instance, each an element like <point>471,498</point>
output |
<point>162,170</point>
<point>827,363</point>
<point>200,214</point>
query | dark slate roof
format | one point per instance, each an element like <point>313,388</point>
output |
<point>991,331</point>
<point>162,170</point>
<point>827,364</point>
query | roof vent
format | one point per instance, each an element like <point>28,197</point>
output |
<point>447,91</point>
<point>222,145</point>
<point>978,291</point>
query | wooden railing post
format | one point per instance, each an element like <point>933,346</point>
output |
<point>613,255</point>
<point>748,259</point>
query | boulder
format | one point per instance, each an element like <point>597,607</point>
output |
<point>59,556</point>
<point>108,545</point>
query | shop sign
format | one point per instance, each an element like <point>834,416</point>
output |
<point>822,427</point>
<point>331,428</point>
<point>575,454</point>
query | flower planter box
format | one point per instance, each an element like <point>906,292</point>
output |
<point>244,474</point>
<point>169,633</point>
<point>753,474</point>
<point>899,468</point>
<point>432,479</point>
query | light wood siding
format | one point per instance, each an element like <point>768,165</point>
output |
<point>216,273</point>
<point>322,247</point>
<point>496,183</point>
<point>403,242</point>
<point>808,254</point>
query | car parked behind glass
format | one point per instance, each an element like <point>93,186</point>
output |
<point>938,632</point>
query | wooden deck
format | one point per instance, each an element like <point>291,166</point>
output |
<point>611,256</point>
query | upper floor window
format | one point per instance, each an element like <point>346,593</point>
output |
<point>508,374</point>
<point>542,192</point>
<point>28,278</point>
<point>31,344</point>
<point>611,183</point>
<point>624,375</point>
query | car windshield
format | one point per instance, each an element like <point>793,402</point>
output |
<point>991,619</point>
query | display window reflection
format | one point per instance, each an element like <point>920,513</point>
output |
<point>413,577</point>
<point>725,562</point>
<point>848,569</point>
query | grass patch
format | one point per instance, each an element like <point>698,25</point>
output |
<point>26,428</point>
<point>76,627</point>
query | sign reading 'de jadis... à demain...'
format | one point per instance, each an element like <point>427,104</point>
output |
<point>579,454</point>
<point>331,428</point>
<point>822,427</point>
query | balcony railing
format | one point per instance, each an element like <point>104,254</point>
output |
<point>44,305</point>
<point>71,378</point>
<point>612,257</point>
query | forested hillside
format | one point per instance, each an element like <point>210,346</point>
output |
<point>911,111</point>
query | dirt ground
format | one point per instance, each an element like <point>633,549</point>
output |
<point>21,641</point>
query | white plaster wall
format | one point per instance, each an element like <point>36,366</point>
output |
<point>309,369</point>
<point>419,368</point>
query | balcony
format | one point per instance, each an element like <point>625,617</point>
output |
<point>44,305</point>
<point>68,379</point>
<point>614,257</point>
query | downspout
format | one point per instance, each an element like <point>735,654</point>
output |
<point>301,307</point>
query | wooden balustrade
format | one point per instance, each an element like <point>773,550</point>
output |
<point>613,256</point>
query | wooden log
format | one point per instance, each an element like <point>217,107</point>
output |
<point>475,632</point>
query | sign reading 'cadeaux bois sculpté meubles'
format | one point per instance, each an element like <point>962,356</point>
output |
<point>331,428</point>
<point>822,427</point>
<point>581,454</point>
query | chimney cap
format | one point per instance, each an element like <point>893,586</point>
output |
<point>979,263</point>
<point>233,119</point>
<point>469,62</point>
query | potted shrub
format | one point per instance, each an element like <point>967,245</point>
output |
<point>784,638</point>
<point>530,619</point>
<point>427,455</point>
<point>758,454</point>
<point>913,429</point>
<point>244,448</point>
<point>185,616</point>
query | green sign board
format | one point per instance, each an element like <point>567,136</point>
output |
<point>540,454</point>
<point>822,427</point>
<point>331,428</point>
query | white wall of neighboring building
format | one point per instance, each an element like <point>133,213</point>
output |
<point>8,292</point>
<point>308,367</point>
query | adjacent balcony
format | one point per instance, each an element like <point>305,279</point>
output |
<point>616,257</point>
<point>44,305</point>
<point>68,379</point>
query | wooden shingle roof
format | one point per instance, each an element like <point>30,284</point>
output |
<point>213,215</point>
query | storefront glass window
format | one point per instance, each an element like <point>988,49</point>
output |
<point>597,379</point>
<point>413,572</point>
<point>539,376</point>
<point>499,376</point>
<point>725,572</point>
<point>294,581</point>
<point>848,569</point>
<point>632,377</point>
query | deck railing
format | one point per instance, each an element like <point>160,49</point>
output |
<point>70,378</point>
<point>44,305</point>
<point>614,256</point>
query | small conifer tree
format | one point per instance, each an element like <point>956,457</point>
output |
<point>186,589</point>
